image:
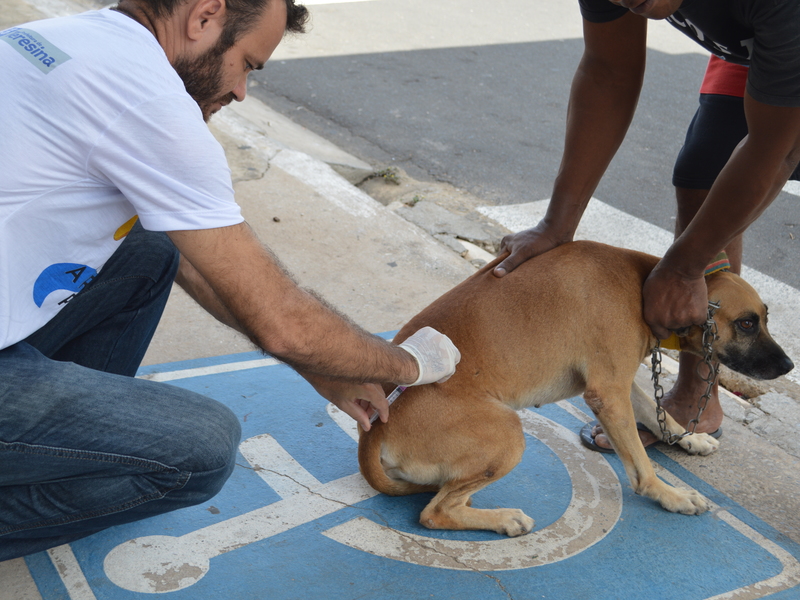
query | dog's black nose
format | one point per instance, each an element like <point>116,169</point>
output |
<point>786,365</point>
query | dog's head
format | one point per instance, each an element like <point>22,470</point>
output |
<point>743,343</point>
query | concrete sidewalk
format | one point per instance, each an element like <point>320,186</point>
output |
<point>379,268</point>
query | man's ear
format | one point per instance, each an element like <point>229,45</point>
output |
<point>206,16</point>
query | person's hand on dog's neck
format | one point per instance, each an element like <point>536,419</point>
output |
<point>191,29</point>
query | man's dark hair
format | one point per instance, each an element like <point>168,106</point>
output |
<point>241,16</point>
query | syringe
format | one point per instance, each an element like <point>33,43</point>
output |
<point>390,398</point>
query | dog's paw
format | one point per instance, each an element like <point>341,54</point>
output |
<point>699,443</point>
<point>686,502</point>
<point>513,522</point>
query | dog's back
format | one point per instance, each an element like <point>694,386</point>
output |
<point>548,307</point>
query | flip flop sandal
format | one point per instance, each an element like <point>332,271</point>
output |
<point>588,440</point>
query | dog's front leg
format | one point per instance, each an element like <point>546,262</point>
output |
<point>616,415</point>
<point>644,407</point>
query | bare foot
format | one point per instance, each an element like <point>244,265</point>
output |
<point>682,403</point>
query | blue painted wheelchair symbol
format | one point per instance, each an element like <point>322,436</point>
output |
<point>171,563</point>
<point>328,534</point>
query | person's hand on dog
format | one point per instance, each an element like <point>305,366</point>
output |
<point>526,244</point>
<point>359,400</point>
<point>673,300</point>
<point>435,354</point>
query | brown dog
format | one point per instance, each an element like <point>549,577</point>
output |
<point>565,322</point>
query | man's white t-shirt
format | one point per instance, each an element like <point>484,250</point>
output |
<point>97,128</point>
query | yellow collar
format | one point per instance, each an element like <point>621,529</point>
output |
<point>673,342</point>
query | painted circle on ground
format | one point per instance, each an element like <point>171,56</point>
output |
<point>594,509</point>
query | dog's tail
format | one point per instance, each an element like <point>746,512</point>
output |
<point>369,461</point>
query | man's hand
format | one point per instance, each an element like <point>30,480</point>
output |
<point>435,354</point>
<point>359,400</point>
<point>673,301</point>
<point>524,245</point>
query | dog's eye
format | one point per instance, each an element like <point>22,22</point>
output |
<point>746,324</point>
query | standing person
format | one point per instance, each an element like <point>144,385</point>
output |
<point>711,219</point>
<point>111,186</point>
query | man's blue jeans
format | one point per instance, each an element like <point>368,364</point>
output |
<point>84,445</point>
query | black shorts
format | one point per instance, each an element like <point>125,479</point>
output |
<point>716,129</point>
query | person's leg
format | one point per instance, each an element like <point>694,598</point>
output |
<point>110,323</point>
<point>716,129</point>
<point>683,400</point>
<point>82,450</point>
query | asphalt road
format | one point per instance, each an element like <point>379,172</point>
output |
<point>474,94</point>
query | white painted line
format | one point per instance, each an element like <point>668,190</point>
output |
<point>604,223</point>
<point>158,564</point>
<point>574,411</point>
<point>600,222</point>
<point>70,572</point>
<point>263,128</point>
<point>211,370</point>
<point>325,181</point>
<point>291,480</point>
<point>788,578</point>
<point>344,421</point>
<point>792,187</point>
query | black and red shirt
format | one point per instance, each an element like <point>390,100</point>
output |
<point>763,34</point>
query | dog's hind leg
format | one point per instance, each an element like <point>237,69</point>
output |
<point>616,415</point>
<point>450,508</point>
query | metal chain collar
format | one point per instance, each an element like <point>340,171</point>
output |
<point>712,368</point>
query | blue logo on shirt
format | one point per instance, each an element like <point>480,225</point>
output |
<point>34,48</point>
<point>62,276</point>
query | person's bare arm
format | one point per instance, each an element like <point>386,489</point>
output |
<point>603,98</point>
<point>197,287</point>
<point>283,319</point>
<point>675,295</point>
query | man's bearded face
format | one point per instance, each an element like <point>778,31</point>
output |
<point>202,77</point>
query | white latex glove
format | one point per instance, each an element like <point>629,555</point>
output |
<point>436,355</point>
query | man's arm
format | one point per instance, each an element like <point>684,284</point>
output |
<point>354,397</point>
<point>603,98</point>
<point>197,287</point>
<point>282,319</point>
<point>675,295</point>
